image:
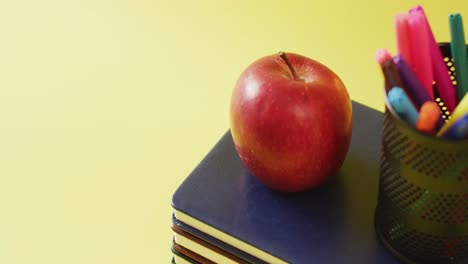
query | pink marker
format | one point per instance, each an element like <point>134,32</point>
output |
<point>402,37</point>
<point>420,50</point>
<point>382,55</point>
<point>389,69</point>
<point>441,76</point>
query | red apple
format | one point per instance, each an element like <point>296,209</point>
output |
<point>291,121</point>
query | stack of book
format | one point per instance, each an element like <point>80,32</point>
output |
<point>222,214</point>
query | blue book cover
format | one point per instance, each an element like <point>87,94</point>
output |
<point>333,223</point>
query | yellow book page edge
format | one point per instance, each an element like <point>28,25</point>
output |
<point>179,260</point>
<point>201,250</point>
<point>227,238</point>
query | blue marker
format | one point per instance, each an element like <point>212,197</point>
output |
<point>403,106</point>
<point>459,130</point>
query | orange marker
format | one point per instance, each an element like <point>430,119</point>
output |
<point>429,115</point>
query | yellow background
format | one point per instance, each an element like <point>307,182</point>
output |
<point>106,106</point>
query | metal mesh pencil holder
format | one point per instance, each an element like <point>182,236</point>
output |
<point>422,211</point>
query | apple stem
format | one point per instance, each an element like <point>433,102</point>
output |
<point>291,69</point>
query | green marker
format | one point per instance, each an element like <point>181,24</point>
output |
<point>459,54</point>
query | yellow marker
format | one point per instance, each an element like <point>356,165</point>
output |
<point>459,112</point>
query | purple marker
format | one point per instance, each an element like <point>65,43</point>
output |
<point>414,87</point>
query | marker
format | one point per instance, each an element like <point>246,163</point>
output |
<point>420,51</point>
<point>429,115</point>
<point>458,130</point>
<point>389,69</point>
<point>459,112</point>
<point>458,49</point>
<point>413,86</point>
<point>402,36</point>
<point>402,105</point>
<point>441,75</point>
<point>382,55</point>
